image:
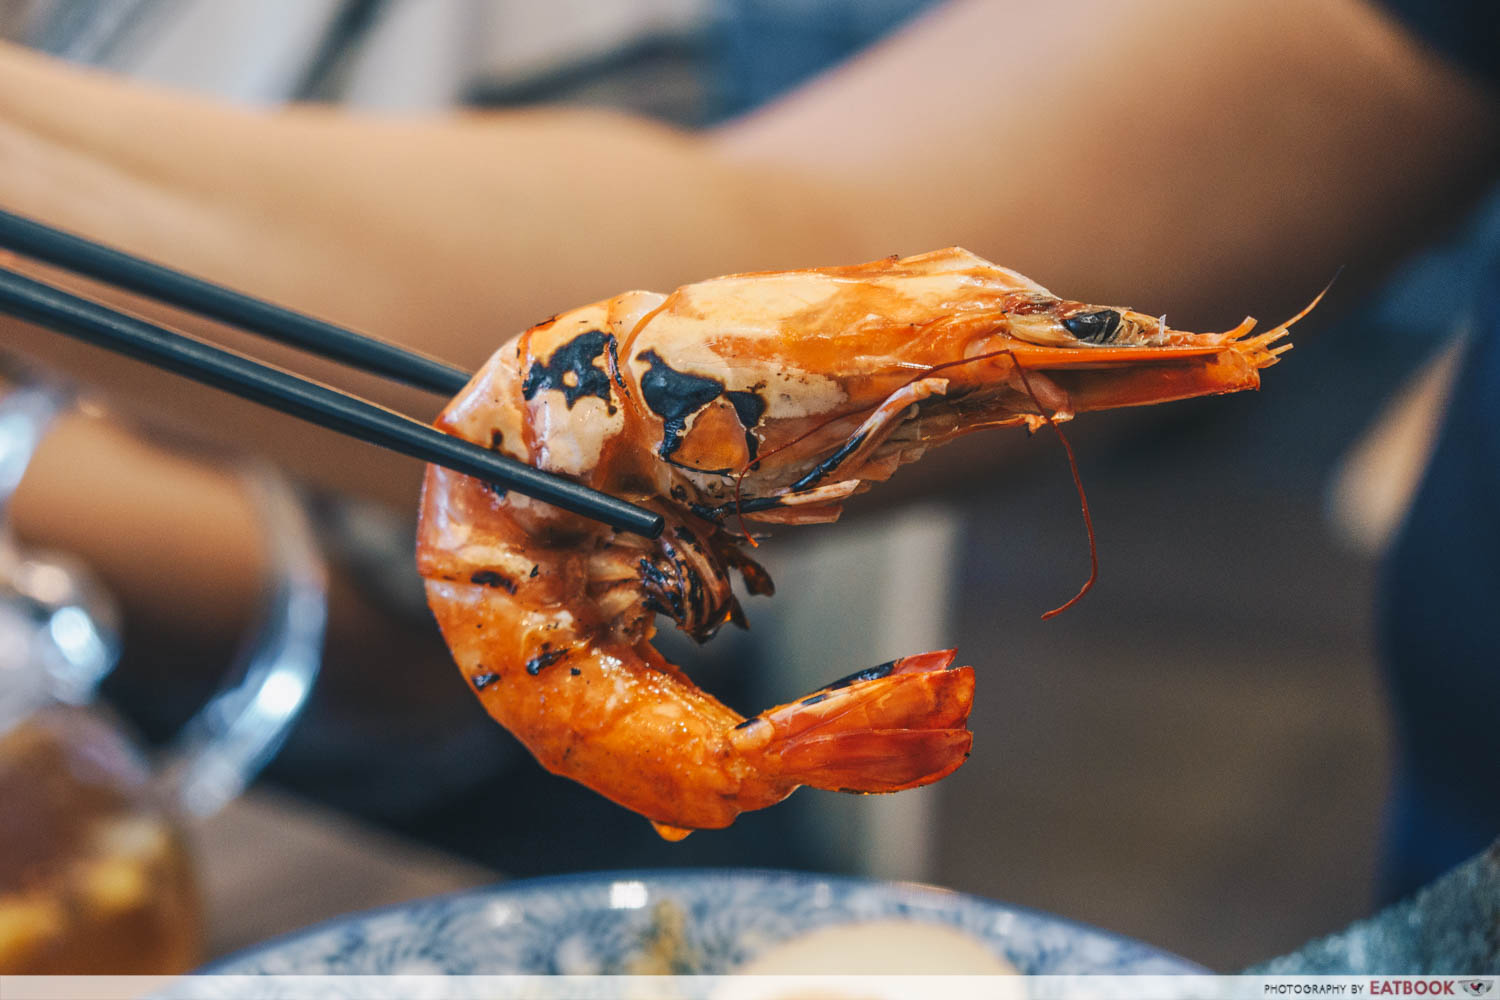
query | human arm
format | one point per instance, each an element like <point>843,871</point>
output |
<point>1204,159</point>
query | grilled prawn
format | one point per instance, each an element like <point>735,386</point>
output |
<point>770,397</point>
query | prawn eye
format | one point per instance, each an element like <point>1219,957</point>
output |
<point>1095,327</point>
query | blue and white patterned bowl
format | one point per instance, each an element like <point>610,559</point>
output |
<point>606,922</point>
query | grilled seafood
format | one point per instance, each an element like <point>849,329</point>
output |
<point>770,397</point>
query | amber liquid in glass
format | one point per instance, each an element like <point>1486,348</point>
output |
<point>93,878</point>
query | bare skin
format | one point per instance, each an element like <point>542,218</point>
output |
<point>1209,159</point>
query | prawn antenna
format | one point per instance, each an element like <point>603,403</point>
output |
<point>1316,298</point>
<point>1083,500</point>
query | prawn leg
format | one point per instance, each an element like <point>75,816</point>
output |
<point>810,499</point>
<point>873,432</point>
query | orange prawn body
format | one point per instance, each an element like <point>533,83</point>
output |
<point>770,397</point>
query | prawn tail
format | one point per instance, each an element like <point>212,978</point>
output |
<point>884,729</point>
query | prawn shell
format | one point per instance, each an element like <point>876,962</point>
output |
<point>773,396</point>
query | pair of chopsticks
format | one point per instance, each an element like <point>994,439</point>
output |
<point>50,307</point>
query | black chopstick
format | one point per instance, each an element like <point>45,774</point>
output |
<point>63,312</point>
<point>135,274</point>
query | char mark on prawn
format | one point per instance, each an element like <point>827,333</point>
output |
<point>867,674</point>
<point>613,347</point>
<point>571,370</point>
<point>753,505</point>
<point>832,462</point>
<point>661,588</point>
<point>544,659</point>
<point>489,578</point>
<point>750,407</point>
<point>675,396</point>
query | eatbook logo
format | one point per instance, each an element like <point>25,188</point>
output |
<point>1478,987</point>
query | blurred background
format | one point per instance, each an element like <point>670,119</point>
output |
<point>1196,755</point>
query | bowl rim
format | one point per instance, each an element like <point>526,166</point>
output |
<point>901,887</point>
